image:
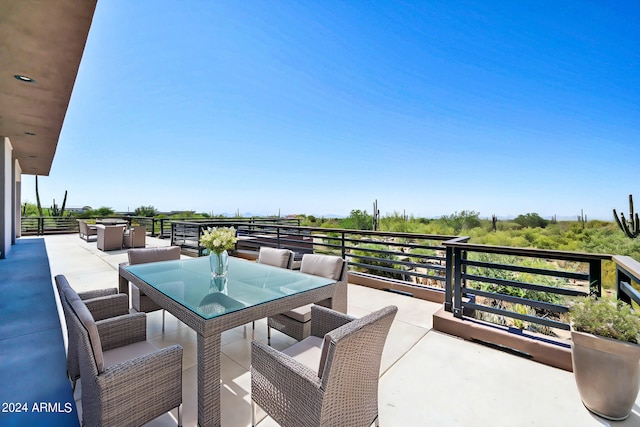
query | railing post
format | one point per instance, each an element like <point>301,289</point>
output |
<point>344,249</point>
<point>200,230</point>
<point>595,278</point>
<point>457,283</point>
<point>621,277</point>
<point>448,282</point>
<point>278,236</point>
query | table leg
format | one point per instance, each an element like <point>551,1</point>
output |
<point>123,285</point>
<point>209,380</point>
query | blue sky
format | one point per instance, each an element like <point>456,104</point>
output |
<point>321,107</point>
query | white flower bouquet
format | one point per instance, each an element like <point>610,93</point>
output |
<point>219,239</point>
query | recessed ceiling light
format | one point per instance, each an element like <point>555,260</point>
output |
<point>22,78</point>
<point>30,133</point>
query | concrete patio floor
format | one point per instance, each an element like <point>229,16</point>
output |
<point>427,378</point>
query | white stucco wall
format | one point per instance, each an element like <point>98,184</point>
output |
<point>6,197</point>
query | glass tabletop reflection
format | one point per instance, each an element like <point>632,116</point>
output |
<point>189,282</point>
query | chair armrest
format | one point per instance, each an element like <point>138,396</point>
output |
<point>143,388</point>
<point>122,330</point>
<point>97,293</point>
<point>108,306</point>
<point>282,371</point>
<point>296,386</point>
<point>324,320</point>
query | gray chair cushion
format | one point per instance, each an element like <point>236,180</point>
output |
<point>328,266</point>
<point>308,352</point>
<point>145,255</point>
<point>85,317</point>
<point>128,352</point>
<point>140,301</point>
<point>277,257</point>
<point>301,314</point>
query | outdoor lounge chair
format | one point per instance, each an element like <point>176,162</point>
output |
<point>135,237</point>
<point>110,237</point>
<point>103,304</point>
<point>297,322</point>
<point>140,301</point>
<point>126,381</point>
<point>85,231</point>
<point>328,379</point>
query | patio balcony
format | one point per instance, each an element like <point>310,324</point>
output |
<point>427,377</point>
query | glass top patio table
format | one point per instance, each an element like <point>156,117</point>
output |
<point>189,283</point>
<point>250,292</point>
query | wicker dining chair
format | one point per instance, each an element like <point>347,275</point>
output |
<point>139,300</point>
<point>282,258</point>
<point>102,303</point>
<point>296,323</point>
<point>126,380</point>
<point>328,379</point>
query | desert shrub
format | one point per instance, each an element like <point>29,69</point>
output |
<point>146,211</point>
<point>97,213</point>
<point>382,260</point>
<point>606,317</point>
<point>421,251</point>
<point>357,220</point>
<point>531,220</point>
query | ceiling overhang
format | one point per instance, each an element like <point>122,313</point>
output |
<point>43,40</point>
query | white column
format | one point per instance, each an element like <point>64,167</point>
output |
<point>6,197</point>
<point>17,197</point>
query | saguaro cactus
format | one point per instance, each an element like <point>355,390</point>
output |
<point>376,215</point>
<point>631,226</point>
<point>38,198</point>
<point>53,211</point>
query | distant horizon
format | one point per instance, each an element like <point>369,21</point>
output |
<point>431,108</point>
<point>248,214</point>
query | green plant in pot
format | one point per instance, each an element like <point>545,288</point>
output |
<point>606,355</point>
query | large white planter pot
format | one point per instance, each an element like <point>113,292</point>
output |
<point>607,373</point>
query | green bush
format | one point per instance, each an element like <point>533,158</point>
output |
<point>606,317</point>
<point>531,220</point>
<point>357,220</point>
<point>102,212</point>
<point>465,220</point>
<point>148,211</point>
